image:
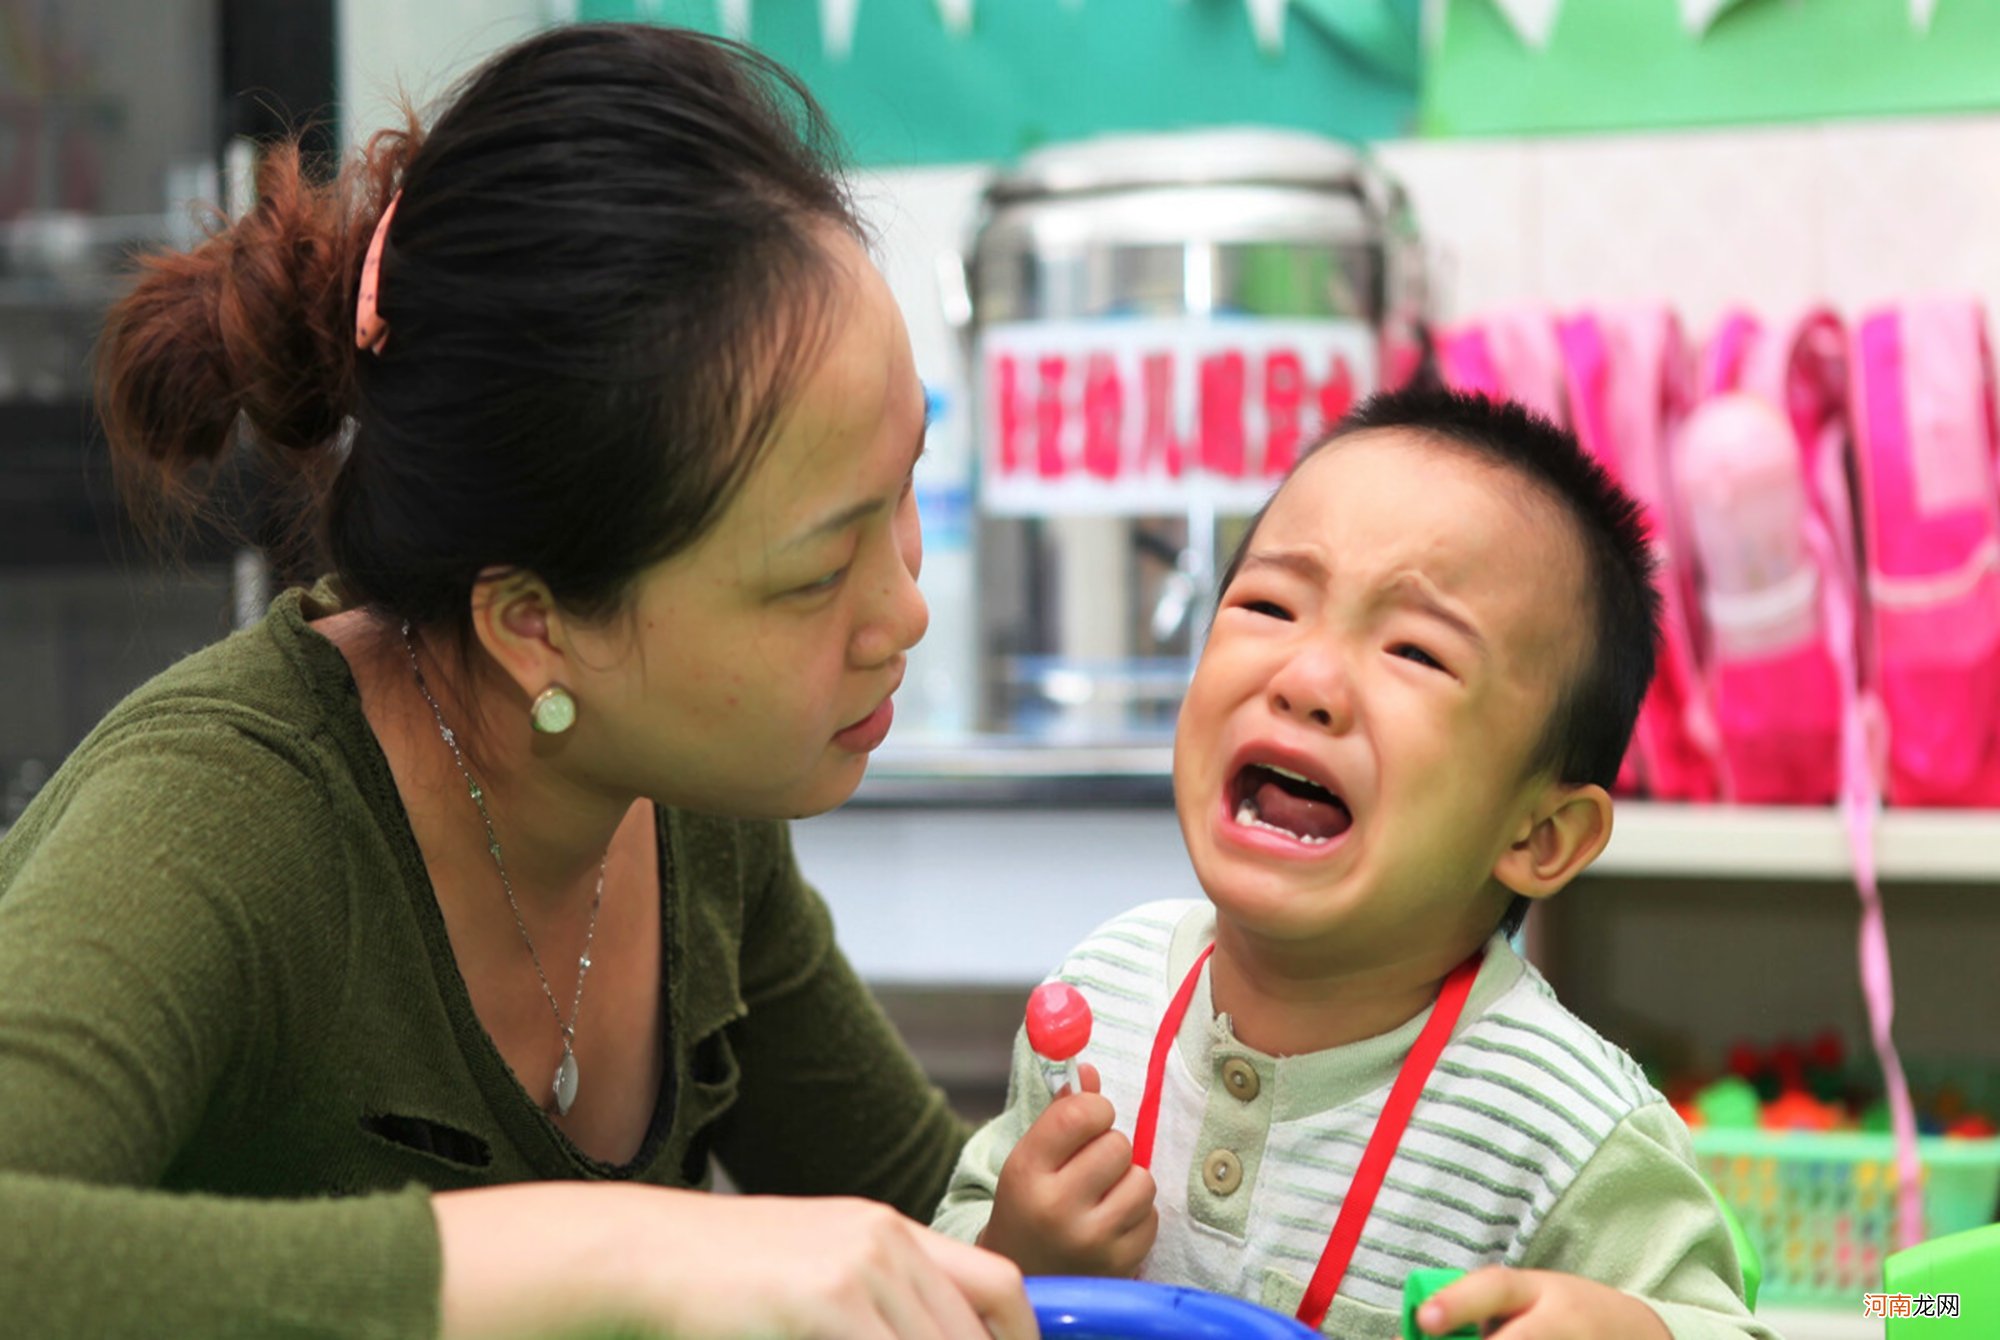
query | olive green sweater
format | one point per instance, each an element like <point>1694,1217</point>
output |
<point>236,1053</point>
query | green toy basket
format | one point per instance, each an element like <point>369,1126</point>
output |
<point>1821,1208</point>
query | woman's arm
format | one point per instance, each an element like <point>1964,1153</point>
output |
<point>124,1263</point>
<point>145,970</point>
<point>547,1259</point>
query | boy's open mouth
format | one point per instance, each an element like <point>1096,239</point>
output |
<point>1284,802</point>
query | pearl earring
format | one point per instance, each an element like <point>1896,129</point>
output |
<point>554,711</point>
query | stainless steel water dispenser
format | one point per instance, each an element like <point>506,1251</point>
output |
<point>1157,325</point>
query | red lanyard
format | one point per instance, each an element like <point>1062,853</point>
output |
<point>1389,1128</point>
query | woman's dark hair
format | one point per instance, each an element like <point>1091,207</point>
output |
<point>606,274</point>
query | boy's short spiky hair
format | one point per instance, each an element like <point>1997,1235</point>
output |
<point>1590,726</point>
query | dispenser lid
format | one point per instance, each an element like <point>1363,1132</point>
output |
<point>1247,155</point>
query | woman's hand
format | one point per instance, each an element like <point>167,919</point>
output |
<point>1069,1200</point>
<point>546,1258</point>
<point>1538,1305</point>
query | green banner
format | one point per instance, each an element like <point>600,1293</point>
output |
<point>1034,71</point>
<point>1631,64</point>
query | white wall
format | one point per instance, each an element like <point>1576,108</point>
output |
<point>392,47</point>
<point>1852,213</point>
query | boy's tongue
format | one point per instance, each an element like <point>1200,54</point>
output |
<point>1308,812</point>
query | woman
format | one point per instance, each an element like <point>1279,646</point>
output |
<point>432,935</point>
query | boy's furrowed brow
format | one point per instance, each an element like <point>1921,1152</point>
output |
<point>1417,594</point>
<point>1295,561</point>
<point>1405,588</point>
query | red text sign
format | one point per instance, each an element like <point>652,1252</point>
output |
<point>1142,416</point>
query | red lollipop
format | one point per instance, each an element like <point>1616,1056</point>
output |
<point>1059,1026</point>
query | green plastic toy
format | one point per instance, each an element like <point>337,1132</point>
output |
<point>1964,1265</point>
<point>1418,1286</point>
<point>1729,1105</point>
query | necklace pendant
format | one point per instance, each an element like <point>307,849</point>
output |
<point>565,1086</point>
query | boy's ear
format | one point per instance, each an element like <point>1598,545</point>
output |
<point>1565,832</point>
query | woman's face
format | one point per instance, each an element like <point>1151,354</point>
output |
<point>767,652</point>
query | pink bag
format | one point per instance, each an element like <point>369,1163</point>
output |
<point>1507,356</point>
<point>1628,377</point>
<point>1922,393</point>
<point>1751,471</point>
<point>1515,356</point>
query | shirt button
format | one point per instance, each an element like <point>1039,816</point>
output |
<point>1221,1172</point>
<point>1241,1077</point>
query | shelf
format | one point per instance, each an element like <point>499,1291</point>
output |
<point>1002,773</point>
<point>1809,1324</point>
<point>1803,843</point>
<point>1757,842</point>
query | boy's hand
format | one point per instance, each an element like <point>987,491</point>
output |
<point>1538,1305</point>
<point>1069,1201</point>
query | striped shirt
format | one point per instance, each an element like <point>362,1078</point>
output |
<point>1522,1098</point>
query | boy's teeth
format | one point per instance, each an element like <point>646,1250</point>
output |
<point>1297,777</point>
<point>1246,814</point>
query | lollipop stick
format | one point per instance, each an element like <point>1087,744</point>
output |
<point>1058,1027</point>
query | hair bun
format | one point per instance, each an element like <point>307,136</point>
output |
<point>254,324</point>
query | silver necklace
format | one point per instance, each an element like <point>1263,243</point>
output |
<point>564,1087</point>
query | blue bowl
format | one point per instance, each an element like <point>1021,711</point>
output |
<point>1081,1308</point>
